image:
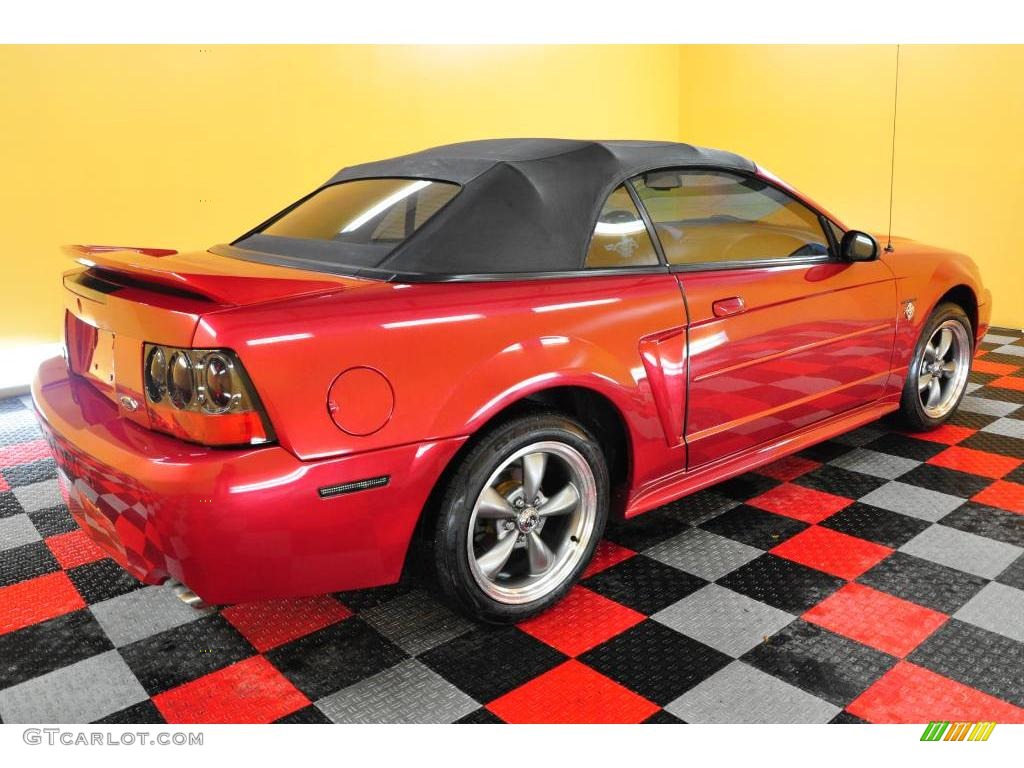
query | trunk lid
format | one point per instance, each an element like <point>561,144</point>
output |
<point>122,298</point>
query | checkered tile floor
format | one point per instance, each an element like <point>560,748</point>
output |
<point>877,577</point>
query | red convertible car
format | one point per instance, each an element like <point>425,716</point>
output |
<point>487,348</point>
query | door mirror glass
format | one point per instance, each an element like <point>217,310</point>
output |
<point>858,246</point>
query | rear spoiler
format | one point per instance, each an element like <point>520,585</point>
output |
<point>219,279</point>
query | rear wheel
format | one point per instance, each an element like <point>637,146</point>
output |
<point>521,518</point>
<point>937,377</point>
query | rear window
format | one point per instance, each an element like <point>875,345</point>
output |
<point>354,223</point>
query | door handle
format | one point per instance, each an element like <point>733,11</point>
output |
<point>730,306</point>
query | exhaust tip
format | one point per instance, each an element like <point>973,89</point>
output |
<point>186,595</point>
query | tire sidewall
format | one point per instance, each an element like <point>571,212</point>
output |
<point>451,553</point>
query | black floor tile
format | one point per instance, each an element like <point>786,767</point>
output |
<point>53,521</point>
<point>1014,574</point>
<point>9,506</point>
<point>820,662</point>
<point>661,717</point>
<point>480,717</point>
<point>363,599</point>
<point>26,562</point>
<point>754,526</point>
<point>682,662</point>
<point>747,486</point>
<point>335,657</point>
<point>143,713</point>
<point>647,529</point>
<point>845,718</point>
<point>890,529</point>
<point>991,522</point>
<point>26,474</point>
<point>50,645</point>
<point>905,446</point>
<point>923,582</point>
<point>950,481</point>
<point>644,584</point>
<point>975,657</point>
<point>503,659</point>
<point>840,482</point>
<point>993,443</point>
<point>308,715</point>
<point>102,580</point>
<point>782,583</point>
<point>179,655</point>
<point>826,451</point>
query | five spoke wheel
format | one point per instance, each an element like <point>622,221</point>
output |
<point>943,369</point>
<point>532,522</point>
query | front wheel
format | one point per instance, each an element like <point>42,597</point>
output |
<point>521,518</point>
<point>937,377</point>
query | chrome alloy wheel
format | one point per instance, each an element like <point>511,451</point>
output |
<point>943,369</point>
<point>532,522</point>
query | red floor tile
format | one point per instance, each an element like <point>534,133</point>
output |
<point>24,453</point>
<point>581,621</point>
<point>800,503</point>
<point>788,468</point>
<point>989,366</point>
<point>1009,382</point>
<point>875,618</point>
<point>74,548</point>
<point>1003,494</point>
<point>606,555</point>
<point>3,485</point>
<point>30,602</point>
<point>947,433</point>
<point>976,462</point>
<point>908,693</point>
<point>274,622</point>
<point>251,691</point>
<point>832,552</point>
<point>572,693</point>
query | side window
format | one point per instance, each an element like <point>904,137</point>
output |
<point>620,237</point>
<point>712,217</point>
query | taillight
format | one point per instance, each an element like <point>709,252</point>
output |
<point>203,395</point>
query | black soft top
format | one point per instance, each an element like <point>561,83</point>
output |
<point>526,205</point>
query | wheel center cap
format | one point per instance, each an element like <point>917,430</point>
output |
<point>527,520</point>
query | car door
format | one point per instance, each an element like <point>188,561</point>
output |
<point>782,334</point>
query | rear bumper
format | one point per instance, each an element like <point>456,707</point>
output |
<point>232,525</point>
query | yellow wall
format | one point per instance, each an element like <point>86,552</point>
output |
<point>821,118</point>
<point>187,146</point>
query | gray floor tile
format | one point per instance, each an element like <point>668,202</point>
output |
<point>79,693</point>
<point>961,550</point>
<point>416,622</point>
<point>975,404</point>
<point>38,495</point>
<point>913,500</point>
<point>725,620</point>
<point>142,613</point>
<point>1006,428</point>
<point>703,554</point>
<point>741,694</point>
<point>406,693</point>
<point>995,338</point>
<point>1009,349</point>
<point>16,531</point>
<point>997,608</point>
<point>874,463</point>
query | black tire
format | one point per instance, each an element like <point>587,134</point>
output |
<point>451,556</point>
<point>911,414</point>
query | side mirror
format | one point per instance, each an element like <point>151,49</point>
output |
<point>858,246</point>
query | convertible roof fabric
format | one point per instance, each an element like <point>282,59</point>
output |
<point>526,205</point>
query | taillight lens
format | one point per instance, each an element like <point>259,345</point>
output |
<point>203,395</point>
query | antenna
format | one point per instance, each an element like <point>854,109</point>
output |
<point>892,158</point>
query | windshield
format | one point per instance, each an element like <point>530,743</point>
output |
<point>354,223</point>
